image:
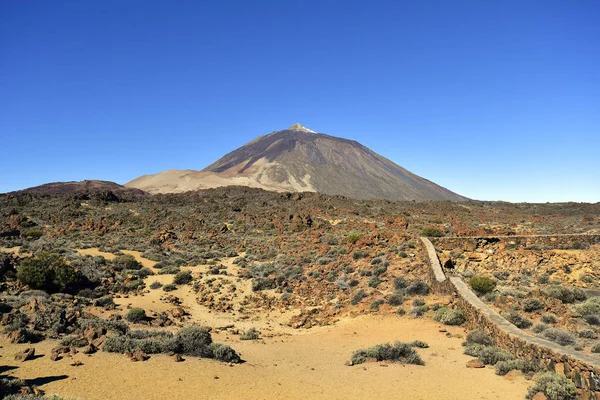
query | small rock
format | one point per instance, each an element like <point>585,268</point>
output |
<point>139,355</point>
<point>539,396</point>
<point>177,358</point>
<point>25,355</point>
<point>475,363</point>
<point>216,377</point>
<point>76,364</point>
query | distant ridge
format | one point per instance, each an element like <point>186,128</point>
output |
<point>298,159</point>
<point>89,186</point>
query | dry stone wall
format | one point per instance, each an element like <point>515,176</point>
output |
<point>582,369</point>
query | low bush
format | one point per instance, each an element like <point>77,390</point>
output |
<point>398,352</point>
<point>592,319</point>
<point>565,294</point>
<point>489,355</point>
<point>532,304</point>
<point>418,344</point>
<point>191,341</point>
<point>549,318</point>
<point>250,334</point>
<point>155,285</point>
<point>432,232</point>
<point>449,317</point>
<point>539,328</point>
<point>596,348</point>
<point>136,314</point>
<point>263,284</point>
<point>396,299</point>
<point>504,367</point>
<point>224,353</point>
<point>375,304</point>
<point>554,386</point>
<point>358,296</point>
<point>559,336</point>
<point>182,278</point>
<point>417,288</point>
<point>168,270</point>
<point>169,287</point>
<point>482,284</point>
<point>400,283</point>
<point>588,334</point>
<point>49,272</point>
<point>589,307</point>
<point>195,341</point>
<point>517,319</point>
<point>476,336</point>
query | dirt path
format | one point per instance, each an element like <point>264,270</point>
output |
<point>303,366</point>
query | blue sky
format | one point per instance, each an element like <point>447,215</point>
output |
<point>495,100</point>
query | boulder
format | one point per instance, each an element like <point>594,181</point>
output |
<point>25,355</point>
<point>475,363</point>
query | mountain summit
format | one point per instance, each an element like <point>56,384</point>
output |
<point>298,159</point>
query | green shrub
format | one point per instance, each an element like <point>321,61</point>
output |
<point>353,237</point>
<point>549,318</point>
<point>554,386</point>
<point>224,353</point>
<point>250,334</point>
<point>48,272</point>
<point>589,307</point>
<point>504,367</point>
<point>136,314</point>
<point>418,287</point>
<point>490,355</point>
<point>419,344</point>
<point>532,304</point>
<point>476,336</point>
<point>182,278</point>
<point>263,284</point>
<point>559,336</point>
<point>358,296</point>
<point>375,304</point>
<point>195,341</point>
<point>539,328</point>
<point>517,319</point>
<point>169,270</point>
<point>400,283</point>
<point>592,319</point>
<point>398,352</point>
<point>169,287</point>
<point>126,262</point>
<point>432,232</point>
<point>396,299</point>
<point>374,281</point>
<point>482,284</point>
<point>565,294</point>
<point>596,348</point>
<point>588,334</point>
<point>449,317</point>
<point>155,285</point>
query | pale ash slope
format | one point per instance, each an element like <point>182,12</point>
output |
<point>298,159</point>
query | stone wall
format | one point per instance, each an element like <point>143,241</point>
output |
<point>518,242</point>
<point>582,369</point>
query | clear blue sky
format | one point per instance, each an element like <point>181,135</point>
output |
<point>496,100</point>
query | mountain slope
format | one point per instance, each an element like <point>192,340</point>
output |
<point>298,159</point>
<point>87,186</point>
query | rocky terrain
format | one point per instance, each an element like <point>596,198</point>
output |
<point>226,278</point>
<point>298,159</point>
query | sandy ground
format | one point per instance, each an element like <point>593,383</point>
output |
<point>284,364</point>
<point>296,367</point>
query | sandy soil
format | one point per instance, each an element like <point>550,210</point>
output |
<point>284,364</point>
<point>296,367</point>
